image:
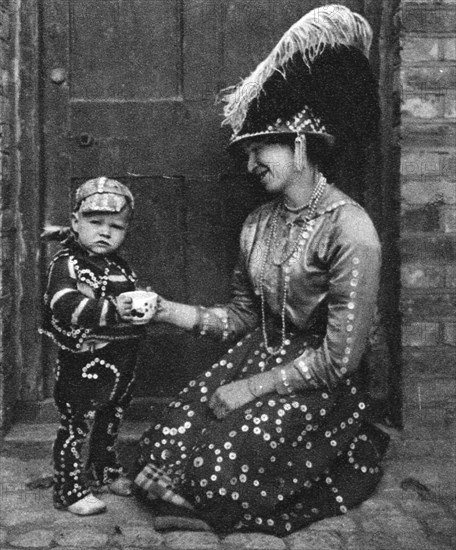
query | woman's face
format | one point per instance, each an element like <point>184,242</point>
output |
<point>272,163</point>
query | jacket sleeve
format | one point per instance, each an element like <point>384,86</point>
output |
<point>74,303</point>
<point>353,254</point>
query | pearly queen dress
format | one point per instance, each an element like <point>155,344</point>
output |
<point>282,461</point>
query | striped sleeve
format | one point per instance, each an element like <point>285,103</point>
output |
<point>75,305</point>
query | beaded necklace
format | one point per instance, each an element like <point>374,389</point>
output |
<point>295,209</point>
<point>290,258</point>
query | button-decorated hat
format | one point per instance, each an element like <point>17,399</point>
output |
<point>103,195</point>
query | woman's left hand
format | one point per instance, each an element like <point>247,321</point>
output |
<point>230,397</point>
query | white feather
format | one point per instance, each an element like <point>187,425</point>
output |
<point>330,25</point>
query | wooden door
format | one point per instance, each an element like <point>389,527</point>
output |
<point>128,92</point>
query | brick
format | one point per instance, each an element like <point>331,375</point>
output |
<point>448,219</point>
<point>422,276</point>
<point>432,249</point>
<point>425,306</point>
<point>423,192</point>
<point>416,134</point>
<point>428,165</point>
<point>415,49</point>
<point>6,133</point>
<point>426,105</point>
<point>420,334</point>
<point>449,110</point>
<point>4,26</point>
<point>448,49</point>
<point>419,362</point>
<point>449,334</point>
<point>4,76</point>
<point>424,218</point>
<point>440,79</point>
<point>450,276</point>
<point>428,18</point>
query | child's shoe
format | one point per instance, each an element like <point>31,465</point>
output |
<point>87,506</point>
<point>122,487</point>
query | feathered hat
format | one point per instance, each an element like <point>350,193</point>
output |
<point>317,80</point>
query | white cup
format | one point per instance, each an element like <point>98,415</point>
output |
<point>144,305</point>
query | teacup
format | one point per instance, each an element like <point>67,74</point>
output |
<point>144,305</point>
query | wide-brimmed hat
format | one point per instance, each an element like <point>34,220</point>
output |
<point>103,195</point>
<point>317,80</point>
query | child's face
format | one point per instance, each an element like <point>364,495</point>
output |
<point>101,233</point>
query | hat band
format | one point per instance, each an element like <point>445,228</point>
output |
<point>303,122</point>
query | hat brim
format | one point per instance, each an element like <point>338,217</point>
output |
<point>245,138</point>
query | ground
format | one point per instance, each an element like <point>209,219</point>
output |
<point>414,508</point>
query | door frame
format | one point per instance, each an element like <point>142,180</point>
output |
<point>26,386</point>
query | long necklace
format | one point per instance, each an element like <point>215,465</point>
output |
<point>290,258</point>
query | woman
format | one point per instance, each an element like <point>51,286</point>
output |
<point>273,436</point>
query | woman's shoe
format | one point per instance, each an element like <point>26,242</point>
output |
<point>122,487</point>
<point>87,506</point>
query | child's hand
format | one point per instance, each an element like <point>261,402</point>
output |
<point>124,305</point>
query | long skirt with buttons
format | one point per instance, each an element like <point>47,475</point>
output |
<point>92,391</point>
<point>275,465</point>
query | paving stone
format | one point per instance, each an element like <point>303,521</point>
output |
<point>189,540</point>
<point>141,537</point>
<point>394,522</point>
<point>12,518</point>
<point>33,539</point>
<point>376,506</point>
<point>417,541</point>
<point>422,508</point>
<point>81,538</point>
<point>442,525</point>
<point>253,541</point>
<point>399,523</point>
<point>310,539</point>
<point>441,543</point>
<point>372,526</point>
<point>167,523</point>
<point>340,524</point>
<point>372,541</point>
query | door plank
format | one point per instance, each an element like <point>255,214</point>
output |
<point>108,61</point>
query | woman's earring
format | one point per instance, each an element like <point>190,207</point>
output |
<point>300,152</point>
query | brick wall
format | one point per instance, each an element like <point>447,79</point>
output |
<point>428,225</point>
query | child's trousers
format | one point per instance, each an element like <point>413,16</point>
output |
<point>90,387</point>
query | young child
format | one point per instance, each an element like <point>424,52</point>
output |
<point>97,344</point>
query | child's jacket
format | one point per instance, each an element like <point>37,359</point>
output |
<point>80,313</point>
